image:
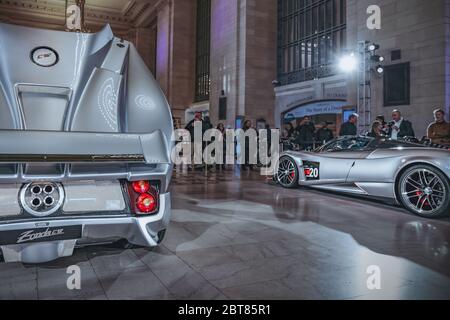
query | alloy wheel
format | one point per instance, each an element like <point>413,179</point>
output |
<point>423,191</point>
<point>287,173</point>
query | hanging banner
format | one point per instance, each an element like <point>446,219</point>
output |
<point>323,107</point>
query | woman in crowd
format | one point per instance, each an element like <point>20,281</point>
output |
<point>377,130</point>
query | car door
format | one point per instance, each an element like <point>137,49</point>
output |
<point>333,164</point>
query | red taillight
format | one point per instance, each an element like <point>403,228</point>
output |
<point>146,203</point>
<point>141,186</point>
<point>144,197</point>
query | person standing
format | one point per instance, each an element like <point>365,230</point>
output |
<point>385,128</point>
<point>191,125</point>
<point>439,131</point>
<point>349,128</point>
<point>290,130</point>
<point>197,121</point>
<point>377,130</point>
<point>221,128</point>
<point>324,134</point>
<point>305,133</point>
<point>399,127</point>
<point>246,166</point>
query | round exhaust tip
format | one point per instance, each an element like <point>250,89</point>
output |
<point>36,202</point>
<point>49,201</point>
<point>36,190</point>
<point>49,189</point>
<point>42,199</point>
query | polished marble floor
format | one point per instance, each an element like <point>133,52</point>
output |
<point>237,236</point>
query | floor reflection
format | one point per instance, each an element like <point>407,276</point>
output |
<point>237,236</point>
<point>382,228</point>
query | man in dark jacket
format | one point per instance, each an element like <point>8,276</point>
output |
<point>197,121</point>
<point>349,128</point>
<point>191,125</point>
<point>305,133</point>
<point>324,134</point>
<point>399,127</point>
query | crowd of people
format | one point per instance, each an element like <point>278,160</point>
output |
<point>205,123</point>
<point>438,132</point>
<point>305,136</point>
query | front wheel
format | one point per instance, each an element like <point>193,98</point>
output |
<point>425,191</point>
<point>287,173</point>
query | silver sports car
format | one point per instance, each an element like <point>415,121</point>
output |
<point>414,175</point>
<point>85,141</point>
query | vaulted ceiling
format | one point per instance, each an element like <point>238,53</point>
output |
<point>121,14</point>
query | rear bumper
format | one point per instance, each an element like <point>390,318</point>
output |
<point>142,231</point>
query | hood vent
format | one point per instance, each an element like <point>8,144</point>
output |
<point>43,108</point>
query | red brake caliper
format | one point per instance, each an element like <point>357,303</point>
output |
<point>423,201</point>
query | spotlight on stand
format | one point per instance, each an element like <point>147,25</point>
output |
<point>377,58</point>
<point>348,63</point>
<point>379,69</point>
<point>373,47</point>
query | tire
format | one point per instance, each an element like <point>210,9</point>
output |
<point>287,173</point>
<point>424,191</point>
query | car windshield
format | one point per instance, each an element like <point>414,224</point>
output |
<point>393,144</point>
<point>346,144</point>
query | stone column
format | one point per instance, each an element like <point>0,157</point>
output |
<point>261,59</point>
<point>226,48</point>
<point>164,46</point>
<point>175,54</point>
<point>243,58</point>
<point>145,45</point>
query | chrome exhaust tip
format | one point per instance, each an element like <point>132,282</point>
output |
<point>36,203</point>
<point>42,199</point>
<point>49,189</point>
<point>36,190</point>
<point>49,201</point>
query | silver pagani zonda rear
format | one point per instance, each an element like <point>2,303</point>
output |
<point>416,176</point>
<point>85,141</point>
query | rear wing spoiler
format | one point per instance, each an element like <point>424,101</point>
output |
<point>20,146</point>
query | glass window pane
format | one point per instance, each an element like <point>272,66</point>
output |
<point>312,33</point>
<point>203,38</point>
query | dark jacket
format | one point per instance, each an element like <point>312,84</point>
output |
<point>348,129</point>
<point>406,130</point>
<point>305,134</point>
<point>191,128</point>
<point>324,134</point>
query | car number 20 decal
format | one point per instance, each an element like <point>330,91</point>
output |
<point>312,170</point>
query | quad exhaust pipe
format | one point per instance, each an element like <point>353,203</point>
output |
<point>36,190</point>
<point>49,189</point>
<point>36,203</point>
<point>49,201</point>
<point>42,199</point>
